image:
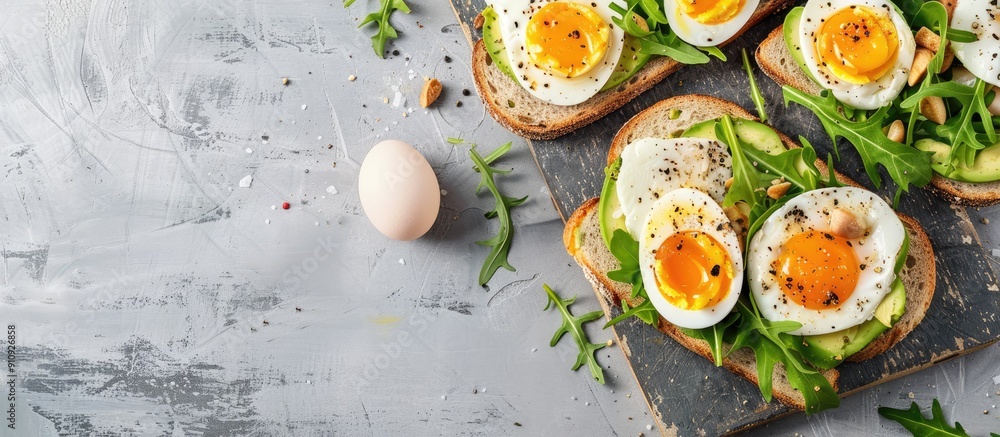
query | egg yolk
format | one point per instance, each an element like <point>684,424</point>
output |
<point>858,44</point>
<point>693,271</point>
<point>817,270</point>
<point>566,39</point>
<point>711,11</point>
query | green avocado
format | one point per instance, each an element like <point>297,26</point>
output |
<point>629,62</point>
<point>985,168</point>
<point>609,204</point>
<point>791,32</point>
<point>759,135</point>
<point>493,40</point>
<point>828,350</point>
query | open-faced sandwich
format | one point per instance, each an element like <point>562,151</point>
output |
<point>739,244</point>
<point>547,67</point>
<point>910,83</point>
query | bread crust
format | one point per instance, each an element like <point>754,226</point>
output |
<point>515,109</point>
<point>776,61</point>
<point>583,241</point>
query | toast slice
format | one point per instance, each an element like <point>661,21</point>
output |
<point>518,111</point>
<point>583,241</point>
<point>774,58</point>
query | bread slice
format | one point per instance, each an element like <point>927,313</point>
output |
<point>774,58</point>
<point>583,241</point>
<point>517,110</point>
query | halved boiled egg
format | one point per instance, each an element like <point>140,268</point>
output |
<point>690,260</point>
<point>708,22</point>
<point>802,267</point>
<point>653,167</point>
<point>561,51</point>
<point>859,49</point>
<point>982,58</point>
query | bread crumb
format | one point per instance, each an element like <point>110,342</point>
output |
<point>285,81</point>
<point>985,221</point>
<point>910,395</point>
<point>351,78</point>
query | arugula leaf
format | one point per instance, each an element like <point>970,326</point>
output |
<point>714,336</point>
<point>819,395</point>
<point>755,95</point>
<point>645,311</point>
<point>715,51</point>
<point>746,183</point>
<point>655,36</point>
<point>765,339</point>
<point>500,244</point>
<point>906,165</point>
<point>626,250</point>
<point>381,17</point>
<point>574,326</point>
<point>960,131</point>
<point>916,423</point>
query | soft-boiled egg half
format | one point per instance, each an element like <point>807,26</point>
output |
<point>689,253</point>
<point>708,22</point>
<point>861,50</point>
<point>690,260</point>
<point>982,57</point>
<point>802,268</point>
<point>561,51</point>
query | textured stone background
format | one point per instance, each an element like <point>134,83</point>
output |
<point>153,296</point>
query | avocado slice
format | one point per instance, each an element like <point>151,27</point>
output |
<point>985,168</point>
<point>828,350</point>
<point>761,136</point>
<point>790,29</point>
<point>609,205</point>
<point>493,40</point>
<point>629,62</point>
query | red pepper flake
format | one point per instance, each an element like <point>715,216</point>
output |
<point>286,205</point>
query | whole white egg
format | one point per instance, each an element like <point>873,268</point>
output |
<point>398,190</point>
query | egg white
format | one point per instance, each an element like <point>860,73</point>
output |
<point>653,167</point>
<point>513,16</point>
<point>810,211</point>
<point>982,58</point>
<point>706,35</point>
<point>682,210</point>
<point>872,95</point>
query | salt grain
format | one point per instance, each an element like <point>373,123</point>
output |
<point>267,222</point>
<point>249,150</point>
<point>304,107</point>
<point>246,181</point>
<point>331,189</point>
<point>402,262</point>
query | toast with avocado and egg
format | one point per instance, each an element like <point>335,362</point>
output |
<point>917,88</point>
<point>679,209</point>
<point>544,69</point>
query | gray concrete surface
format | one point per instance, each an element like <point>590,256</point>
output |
<point>150,295</point>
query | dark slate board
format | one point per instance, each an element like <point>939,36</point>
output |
<point>963,315</point>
